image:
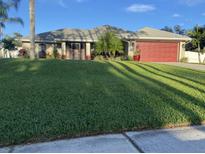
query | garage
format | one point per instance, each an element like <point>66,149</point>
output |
<point>160,46</point>
<point>158,51</point>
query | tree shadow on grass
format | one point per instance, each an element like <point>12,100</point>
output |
<point>164,76</point>
<point>69,99</point>
<point>184,77</point>
<point>177,92</point>
<point>194,118</point>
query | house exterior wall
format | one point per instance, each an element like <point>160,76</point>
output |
<point>75,51</point>
<point>160,46</point>
<point>83,56</point>
<point>83,53</point>
<point>182,50</point>
<point>63,47</point>
<point>131,48</point>
<point>48,47</point>
<point>88,51</point>
<point>26,45</point>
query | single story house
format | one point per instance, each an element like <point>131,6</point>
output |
<point>76,44</point>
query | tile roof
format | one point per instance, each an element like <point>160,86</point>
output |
<point>151,33</point>
<point>92,35</point>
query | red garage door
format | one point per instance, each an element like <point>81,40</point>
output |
<point>158,51</point>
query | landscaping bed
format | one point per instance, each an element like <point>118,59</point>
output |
<point>50,99</point>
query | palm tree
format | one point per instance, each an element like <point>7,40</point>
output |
<point>198,36</point>
<point>109,44</point>
<point>5,6</point>
<point>32,27</point>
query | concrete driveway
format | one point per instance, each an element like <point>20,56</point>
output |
<point>186,65</point>
<point>186,140</point>
<point>179,140</point>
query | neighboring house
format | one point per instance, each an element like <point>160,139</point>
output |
<point>154,45</point>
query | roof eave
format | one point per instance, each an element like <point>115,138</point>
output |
<point>39,41</point>
<point>76,40</point>
<point>165,38</point>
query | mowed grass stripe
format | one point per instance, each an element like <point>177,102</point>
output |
<point>49,99</point>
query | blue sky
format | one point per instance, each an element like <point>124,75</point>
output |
<point>127,14</point>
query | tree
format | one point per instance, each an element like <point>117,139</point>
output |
<point>109,44</point>
<point>198,38</point>
<point>5,6</point>
<point>18,35</point>
<point>176,29</point>
<point>179,30</point>
<point>10,43</point>
<point>32,28</point>
<point>168,29</point>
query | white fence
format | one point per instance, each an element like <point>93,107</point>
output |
<point>193,57</point>
<point>8,54</point>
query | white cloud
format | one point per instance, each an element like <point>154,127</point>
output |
<point>141,8</point>
<point>191,2</point>
<point>176,15</point>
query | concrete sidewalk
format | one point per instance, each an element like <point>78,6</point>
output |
<point>97,144</point>
<point>189,139</point>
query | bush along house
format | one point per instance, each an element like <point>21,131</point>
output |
<point>75,44</point>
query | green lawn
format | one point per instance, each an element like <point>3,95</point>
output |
<point>50,99</point>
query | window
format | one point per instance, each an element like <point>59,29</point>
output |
<point>82,46</point>
<point>59,46</point>
<point>132,46</point>
<point>42,47</point>
<point>69,46</point>
<point>92,45</point>
<point>75,46</point>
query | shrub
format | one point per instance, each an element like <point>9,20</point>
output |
<point>127,58</point>
<point>119,58</point>
<point>99,58</point>
<point>55,53</point>
<point>42,54</point>
<point>63,57</point>
<point>23,53</point>
<point>184,60</point>
<point>49,56</point>
<point>136,52</point>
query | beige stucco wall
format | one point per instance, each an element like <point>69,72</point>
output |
<point>88,50</point>
<point>131,48</point>
<point>26,45</point>
<point>182,50</point>
<point>49,47</point>
<point>62,50</point>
